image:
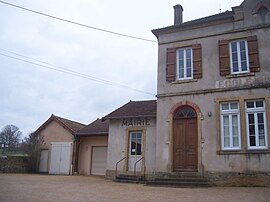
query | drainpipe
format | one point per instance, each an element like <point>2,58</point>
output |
<point>72,160</point>
<point>74,154</point>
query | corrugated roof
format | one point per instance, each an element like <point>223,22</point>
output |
<point>71,126</point>
<point>98,127</point>
<point>135,109</point>
<point>200,21</point>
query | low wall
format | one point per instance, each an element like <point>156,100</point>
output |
<point>14,164</point>
<point>249,179</point>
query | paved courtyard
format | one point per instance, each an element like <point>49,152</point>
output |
<point>38,188</point>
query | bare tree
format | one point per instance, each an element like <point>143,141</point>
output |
<point>10,137</point>
<point>31,145</point>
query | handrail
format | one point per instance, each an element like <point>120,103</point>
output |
<point>116,165</point>
<point>136,164</point>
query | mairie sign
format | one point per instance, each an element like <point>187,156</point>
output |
<point>136,122</point>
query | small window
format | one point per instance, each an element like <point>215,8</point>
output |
<point>230,126</point>
<point>256,124</point>
<point>239,57</point>
<point>184,64</point>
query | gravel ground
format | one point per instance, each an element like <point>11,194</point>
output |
<point>39,188</point>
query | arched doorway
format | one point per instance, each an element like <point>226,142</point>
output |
<point>185,140</point>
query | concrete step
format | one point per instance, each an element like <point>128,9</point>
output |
<point>129,179</point>
<point>197,180</point>
<point>180,184</point>
<point>190,180</point>
<point>180,180</point>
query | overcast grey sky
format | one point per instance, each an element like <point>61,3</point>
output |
<point>31,93</point>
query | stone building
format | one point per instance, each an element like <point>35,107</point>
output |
<point>58,149</point>
<point>132,138</point>
<point>92,144</point>
<point>211,119</point>
<point>213,99</point>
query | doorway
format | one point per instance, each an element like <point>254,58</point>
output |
<point>135,150</point>
<point>99,160</point>
<point>60,158</point>
<point>185,140</point>
<point>43,161</point>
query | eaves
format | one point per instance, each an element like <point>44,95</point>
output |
<point>196,24</point>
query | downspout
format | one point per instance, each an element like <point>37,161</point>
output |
<point>72,160</point>
<point>74,155</point>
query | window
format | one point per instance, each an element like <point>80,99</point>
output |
<point>230,126</point>
<point>256,124</point>
<point>239,57</point>
<point>185,112</point>
<point>136,143</point>
<point>184,63</point>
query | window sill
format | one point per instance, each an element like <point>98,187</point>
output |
<point>235,152</point>
<point>240,75</point>
<point>185,81</point>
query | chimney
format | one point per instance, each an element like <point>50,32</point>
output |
<point>178,14</point>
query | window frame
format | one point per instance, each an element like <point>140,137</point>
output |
<point>230,112</point>
<point>256,110</point>
<point>185,62</point>
<point>240,71</point>
<point>137,149</point>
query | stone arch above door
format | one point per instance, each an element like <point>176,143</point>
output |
<point>185,103</point>
<point>184,112</point>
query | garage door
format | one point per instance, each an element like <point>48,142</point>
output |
<point>60,158</point>
<point>99,160</point>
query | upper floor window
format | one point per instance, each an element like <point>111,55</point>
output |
<point>256,124</point>
<point>239,57</point>
<point>184,63</point>
<point>230,126</point>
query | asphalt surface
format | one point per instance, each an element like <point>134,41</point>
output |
<point>39,188</point>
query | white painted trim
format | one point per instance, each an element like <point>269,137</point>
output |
<point>185,65</point>
<point>239,57</point>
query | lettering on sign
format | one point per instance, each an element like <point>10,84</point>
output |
<point>239,82</point>
<point>136,122</point>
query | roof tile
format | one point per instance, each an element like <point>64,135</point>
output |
<point>134,109</point>
<point>98,127</point>
<point>72,126</point>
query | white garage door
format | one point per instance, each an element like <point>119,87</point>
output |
<point>60,158</point>
<point>99,160</point>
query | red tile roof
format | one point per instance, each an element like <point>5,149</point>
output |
<point>98,127</point>
<point>69,125</point>
<point>135,109</point>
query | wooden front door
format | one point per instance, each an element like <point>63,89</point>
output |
<point>185,140</point>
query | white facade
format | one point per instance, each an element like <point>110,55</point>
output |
<point>120,145</point>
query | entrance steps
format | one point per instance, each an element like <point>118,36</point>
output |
<point>126,178</point>
<point>186,180</point>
